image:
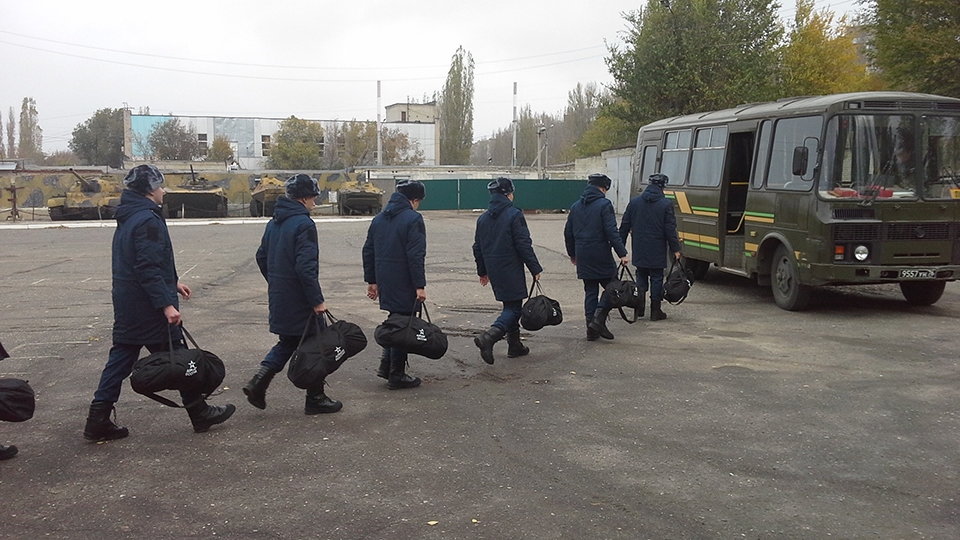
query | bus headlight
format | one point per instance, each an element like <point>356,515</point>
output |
<point>861,253</point>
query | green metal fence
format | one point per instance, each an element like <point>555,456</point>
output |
<point>469,193</point>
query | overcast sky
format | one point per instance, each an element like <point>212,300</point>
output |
<point>312,59</point>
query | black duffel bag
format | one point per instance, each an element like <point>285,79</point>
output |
<point>539,311</point>
<point>676,286</point>
<point>624,293</point>
<point>323,349</point>
<point>412,333</point>
<point>191,371</point>
<point>17,401</point>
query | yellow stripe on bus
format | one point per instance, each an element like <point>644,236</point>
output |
<point>757,219</point>
<point>698,238</point>
<point>681,200</point>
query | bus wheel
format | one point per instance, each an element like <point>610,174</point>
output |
<point>698,267</point>
<point>787,290</point>
<point>922,293</point>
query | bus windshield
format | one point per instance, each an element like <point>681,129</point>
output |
<point>874,157</point>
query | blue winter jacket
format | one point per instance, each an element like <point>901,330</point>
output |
<point>501,248</point>
<point>394,253</point>
<point>649,218</point>
<point>590,232</point>
<point>144,273</point>
<point>288,258</point>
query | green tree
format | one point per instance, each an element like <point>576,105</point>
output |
<point>683,56</point>
<point>456,111</point>
<point>608,131</point>
<point>821,57</point>
<point>398,149</point>
<point>61,158</point>
<point>220,150</point>
<point>916,44</point>
<point>298,145</point>
<point>11,133</point>
<point>99,140</point>
<point>171,140</point>
<point>31,134</point>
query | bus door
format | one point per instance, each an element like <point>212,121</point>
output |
<point>736,182</point>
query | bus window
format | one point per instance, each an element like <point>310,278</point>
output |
<point>940,149</point>
<point>869,156</point>
<point>789,134</point>
<point>763,151</point>
<point>675,156</point>
<point>649,162</point>
<point>707,165</point>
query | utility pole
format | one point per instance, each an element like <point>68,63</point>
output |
<point>379,128</point>
<point>513,162</point>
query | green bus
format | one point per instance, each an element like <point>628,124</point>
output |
<point>846,189</point>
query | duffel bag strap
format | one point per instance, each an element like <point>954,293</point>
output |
<point>624,315</point>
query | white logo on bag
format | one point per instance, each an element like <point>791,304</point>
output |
<point>338,353</point>
<point>191,369</point>
<point>421,336</point>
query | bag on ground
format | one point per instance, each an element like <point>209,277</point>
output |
<point>624,292</point>
<point>539,311</point>
<point>192,371</point>
<point>676,286</point>
<point>16,400</point>
<point>412,333</point>
<point>323,349</point>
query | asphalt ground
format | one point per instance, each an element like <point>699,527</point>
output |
<point>730,419</point>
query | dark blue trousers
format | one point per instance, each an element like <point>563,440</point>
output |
<point>655,278</point>
<point>509,318</point>
<point>120,365</point>
<point>593,296</point>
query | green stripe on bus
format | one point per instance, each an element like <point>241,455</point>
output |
<point>702,246</point>
<point>705,208</point>
<point>759,214</point>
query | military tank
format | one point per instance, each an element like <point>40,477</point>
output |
<point>263,198</point>
<point>92,197</point>
<point>195,198</point>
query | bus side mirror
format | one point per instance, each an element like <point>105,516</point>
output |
<point>800,156</point>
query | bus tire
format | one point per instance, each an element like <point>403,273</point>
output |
<point>698,267</point>
<point>788,292</point>
<point>922,293</point>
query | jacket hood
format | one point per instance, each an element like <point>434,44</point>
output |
<point>398,203</point>
<point>591,193</point>
<point>132,202</point>
<point>498,203</point>
<point>653,193</point>
<point>287,208</point>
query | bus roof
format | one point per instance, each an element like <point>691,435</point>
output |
<point>812,104</point>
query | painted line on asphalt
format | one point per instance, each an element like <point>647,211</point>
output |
<point>170,223</point>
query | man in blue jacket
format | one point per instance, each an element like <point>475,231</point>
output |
<point>146,311</point>
<point>501,248</point>
<point>393,266</point>
<point>590,232</point>
<point>288,258</point>
<point>650,219</point>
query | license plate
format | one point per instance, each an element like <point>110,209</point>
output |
<point>916,274</point>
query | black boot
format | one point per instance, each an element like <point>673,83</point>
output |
<point>638,311</point>
<point>515,347</point>
<point>7,452</point>
<point>592,335</point>
<point>655,312</point>
<point>599,323</point>
<point>204,416</point>
<point>398,377</point>
<point>99,426</point>
<point>318,403</point>
<point>384,370</point>
<point>256,389</point>
<point>485,343</point>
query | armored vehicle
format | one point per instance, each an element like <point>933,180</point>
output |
<point>264,196</point>
<point>195,198</point>
<point>92,197</point>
